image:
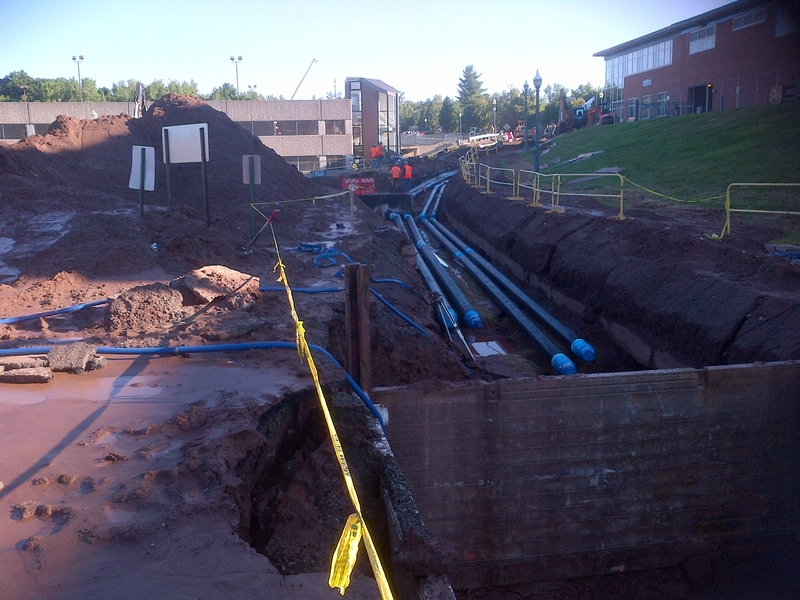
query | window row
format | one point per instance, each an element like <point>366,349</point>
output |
<point>638,61</point>
<point>271,128</point>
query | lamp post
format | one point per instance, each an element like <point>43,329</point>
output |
<point>526,88</point>
<point>24,89</point>
<point>494,115</point>
<point>537,83</point>
<point>236,60</point>
<point>460,129</point>
<point>252,91</point>
<point>426,125</point>
<point>78,60</point>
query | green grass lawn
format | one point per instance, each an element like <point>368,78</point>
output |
<point>690,158</point>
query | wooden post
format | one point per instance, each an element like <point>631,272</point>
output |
<point>357,324</point>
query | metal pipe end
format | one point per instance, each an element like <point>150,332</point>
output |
<point>563,365</point>
<point>583,350</point>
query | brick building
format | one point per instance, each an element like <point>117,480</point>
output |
<point>742,54</point>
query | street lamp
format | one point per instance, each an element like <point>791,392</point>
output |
<point>537,82</point>
<point>252,91</point>
<point>526,88</point>
<point>460,129</point>
<point>426,125</point>
<point>494,115</point>
<point>236,60</point>
<point>78,60</point>
<point>24,89</point>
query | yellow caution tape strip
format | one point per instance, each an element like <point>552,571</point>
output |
<point>313,200</point>
<point>342,559</point>
<point>672,198</point>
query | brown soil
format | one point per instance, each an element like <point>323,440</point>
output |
<point>70,232</point>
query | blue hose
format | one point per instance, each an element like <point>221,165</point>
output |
<point>50,313</point>
<point>171,350</point>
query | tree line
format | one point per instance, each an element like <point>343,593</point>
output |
<point>18,86</point>
<point>474,107</point>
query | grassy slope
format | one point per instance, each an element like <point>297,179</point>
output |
<point>691,156</point>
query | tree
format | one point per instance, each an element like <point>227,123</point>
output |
<point>448,116</point>
<point>472,98</point>
<point>227,91</point>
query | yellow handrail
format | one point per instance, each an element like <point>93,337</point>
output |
<point>729,210</point>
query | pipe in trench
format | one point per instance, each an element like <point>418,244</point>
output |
<point>435,194</point>
<point>558,360</point>
<point>579,347</point>
<point>459,301</point>
<point>173,350</point>
<point>445,313</point>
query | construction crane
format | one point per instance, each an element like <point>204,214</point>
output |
<point>313,60</point>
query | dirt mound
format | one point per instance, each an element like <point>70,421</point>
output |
<point>78,174</point>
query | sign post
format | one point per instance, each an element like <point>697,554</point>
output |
<point>143,172</point>
<point>180,146</point>
<point>251,174</point>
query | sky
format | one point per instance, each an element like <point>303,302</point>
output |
<point>419,47</point>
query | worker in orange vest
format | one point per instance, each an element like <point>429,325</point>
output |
<point>374,155</point>
<point>407,175</point>
<point>395,173</point>
<point>380,154</point>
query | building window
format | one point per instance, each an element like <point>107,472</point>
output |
<point>752,18</point>
<point>638,61</point>
<point>632,109</point>
<point>334,127</point>
<point>663,98</point>
<point>646,107</point>
<point>702,40</point>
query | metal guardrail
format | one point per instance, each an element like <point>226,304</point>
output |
<point>728,210</point>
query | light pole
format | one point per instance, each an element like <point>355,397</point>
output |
<point>426,125</point>
<point>494,115</point>
<point>236,60</point>
<point>537,83</point>
<point>252,91</point>
<point>24,89</point>
<point>460,129</point>
<point>526,88</point>
<point>78,60</point>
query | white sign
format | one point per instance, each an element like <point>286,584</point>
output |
<point>149,168</point>
<point>184,143</point>
<point>256,168</point>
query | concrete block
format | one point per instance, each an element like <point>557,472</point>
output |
<point>72,358</point>
<point>29,375</point>
<point>21,362</point>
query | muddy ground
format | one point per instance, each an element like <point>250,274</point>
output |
<point>136,477</point>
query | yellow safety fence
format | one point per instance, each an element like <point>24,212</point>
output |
<point>729,210</point>
<point>344,559</point>
<point>476,173</point>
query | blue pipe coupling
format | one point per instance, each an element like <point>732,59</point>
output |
<point>583,350</point>
<point>473,321</point>
<point>563,365</point>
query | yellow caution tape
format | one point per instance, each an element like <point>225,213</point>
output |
<point>305,352</point>
<point>673,198</point>
<point>344,559</point>
<point>314,199</point>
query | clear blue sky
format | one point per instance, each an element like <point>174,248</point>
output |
<point>419,47</point>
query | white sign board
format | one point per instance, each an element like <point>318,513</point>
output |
<point>149,168</point>
<point>256,168</point>
<point>184,143</point>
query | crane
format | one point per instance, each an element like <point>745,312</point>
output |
<point>313,60</point>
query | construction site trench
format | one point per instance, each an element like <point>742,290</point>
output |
<point>665,468</point>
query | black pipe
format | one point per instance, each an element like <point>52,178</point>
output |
<point>444,312</point>
<point>580,348</point>
<point>459,301</point>
<point>560,361</point>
